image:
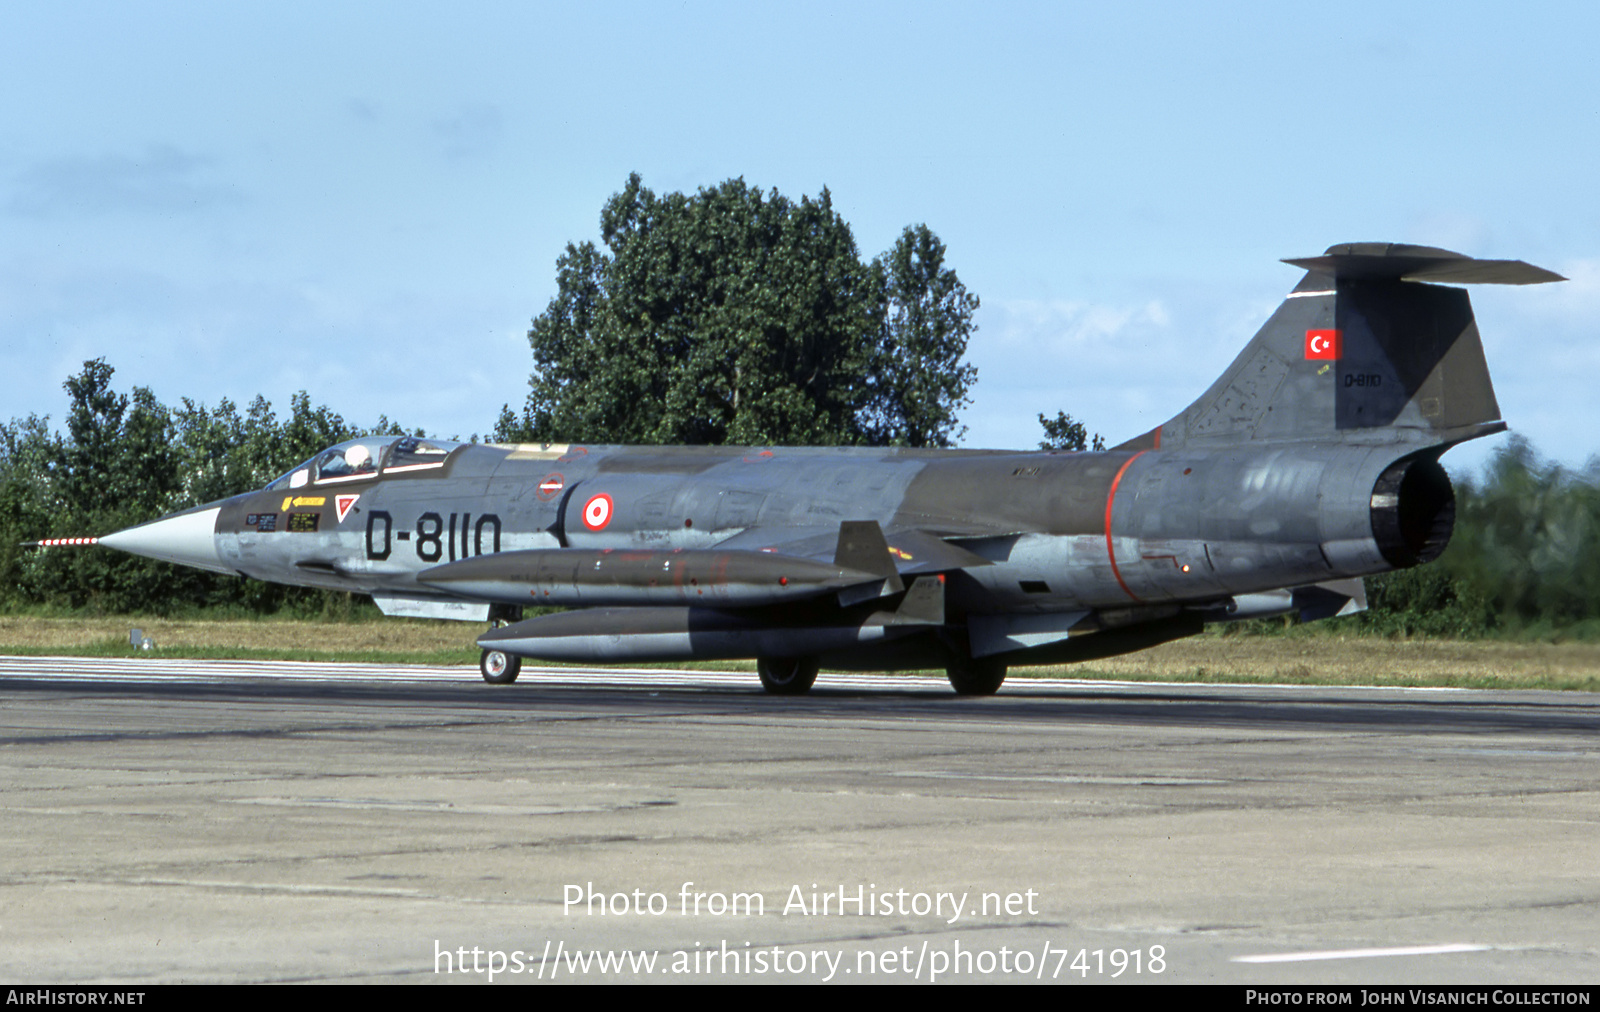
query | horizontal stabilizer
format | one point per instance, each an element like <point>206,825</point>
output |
<point>1380,261</point>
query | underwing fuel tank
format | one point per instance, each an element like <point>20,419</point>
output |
<point>679,634</point>
<point>629,577</point>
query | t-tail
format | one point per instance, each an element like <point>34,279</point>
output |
<point>1367,350</point>
<point>1319,446</point>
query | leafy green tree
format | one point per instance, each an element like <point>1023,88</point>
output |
<point>919,379</point>
<point>307,431</point>
<point>219,449</point>
<point>1524,557</point>
<point>1431,600</point>
<point>1528,538</point>
<point>127,459</point>
<point>116,467</point>
<point>737,316</point>
<point>118,453</point>
<point>28,453</point>
<point>1063,432</point>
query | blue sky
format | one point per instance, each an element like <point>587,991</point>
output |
<point>366,201</point>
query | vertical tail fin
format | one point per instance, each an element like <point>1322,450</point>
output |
<point>1363,351</point>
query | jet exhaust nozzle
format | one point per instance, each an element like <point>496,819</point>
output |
<point>1413,512</point>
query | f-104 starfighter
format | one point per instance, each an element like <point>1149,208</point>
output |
<point>1313,461</point>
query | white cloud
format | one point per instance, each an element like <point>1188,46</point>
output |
<point>473,129</point>
<point>163,179</point>
<point>443,362</point>
<point>1121,369</point>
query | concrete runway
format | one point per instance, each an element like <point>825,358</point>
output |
<point>169,821</point>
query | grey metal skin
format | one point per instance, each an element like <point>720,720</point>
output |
<point>1311,462</point>
<point>581,577</point>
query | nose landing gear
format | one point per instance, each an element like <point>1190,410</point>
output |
<point>499,667</point>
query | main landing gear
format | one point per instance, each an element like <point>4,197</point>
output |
<point>787,676</point>
<point>794,676</point>
<point>499,667</point>
<point>976,676</point>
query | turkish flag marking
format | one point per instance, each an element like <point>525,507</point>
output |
<point>1326,344</point>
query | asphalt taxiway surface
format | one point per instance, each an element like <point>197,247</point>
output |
<point>165,821</point>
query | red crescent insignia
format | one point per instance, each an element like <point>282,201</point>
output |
<point>1324,344</point>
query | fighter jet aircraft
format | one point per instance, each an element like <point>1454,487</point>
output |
<point>1311,462</point>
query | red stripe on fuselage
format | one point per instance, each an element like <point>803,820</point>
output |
<point>1111,497</point>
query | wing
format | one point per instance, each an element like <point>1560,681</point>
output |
<point>863,544</point>
<point>855,562</point>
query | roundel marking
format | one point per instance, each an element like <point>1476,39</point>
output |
<point>597,512</point>
<point>552,484</point>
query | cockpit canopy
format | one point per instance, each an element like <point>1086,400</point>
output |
<point>366,458</point>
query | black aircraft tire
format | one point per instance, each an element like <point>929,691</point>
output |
<point>499,667</point>
<point>977,676</point>
<point>787,676</point>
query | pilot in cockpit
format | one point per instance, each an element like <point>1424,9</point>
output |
<point>353,461</point>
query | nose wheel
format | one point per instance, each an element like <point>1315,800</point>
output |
<point>499,667</point>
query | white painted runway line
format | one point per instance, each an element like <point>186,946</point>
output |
<point>222,672</point>
<point>1402,950</point>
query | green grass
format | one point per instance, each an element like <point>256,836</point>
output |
<point>1296,656</point>
<point>120,648</point>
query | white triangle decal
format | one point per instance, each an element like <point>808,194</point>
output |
<point>344,503</point>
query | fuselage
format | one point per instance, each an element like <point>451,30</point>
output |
<point>1062,531</point>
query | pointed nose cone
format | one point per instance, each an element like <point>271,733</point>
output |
<point>189,539</point>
